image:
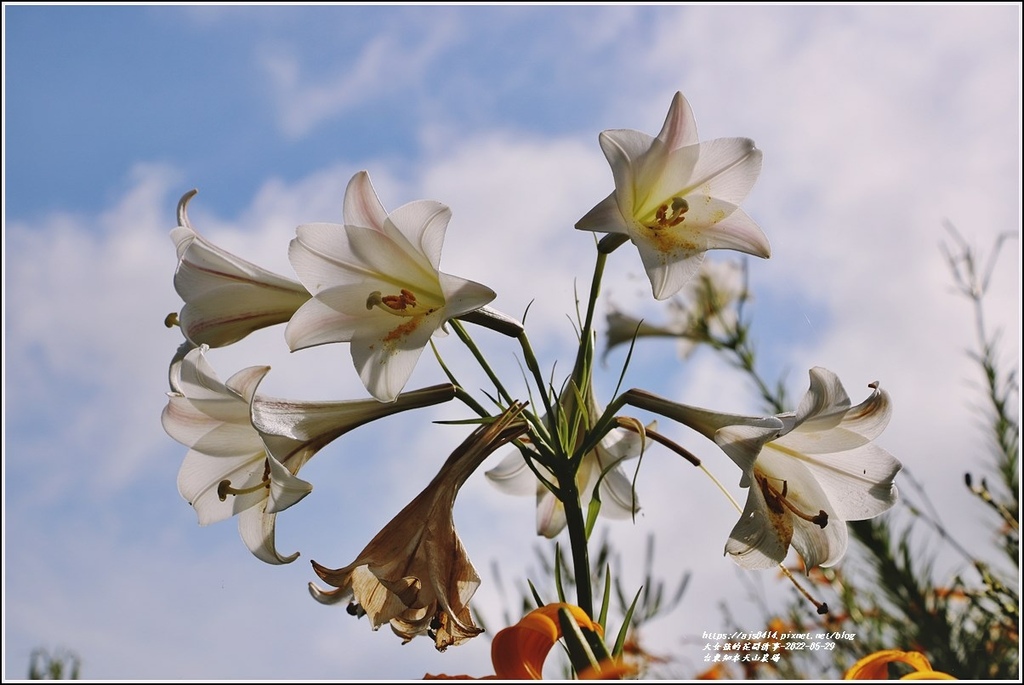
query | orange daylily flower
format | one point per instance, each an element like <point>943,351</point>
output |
<point>519,652</point>
<point>876,667</point>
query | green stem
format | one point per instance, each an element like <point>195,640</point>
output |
<point>574,515</point>
<point>577,525</point>
<point>581,370</point>
<point>464,337</point>
<point>534,366</point>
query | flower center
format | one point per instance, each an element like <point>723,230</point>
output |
<point>403,304</point>
<point>776,500</point>
<point>670,214</point>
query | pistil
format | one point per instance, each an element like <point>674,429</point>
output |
<point>224,489</point>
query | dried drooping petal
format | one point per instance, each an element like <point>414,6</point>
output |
<point>415,573</point>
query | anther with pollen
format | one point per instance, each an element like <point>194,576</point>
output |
<point>392,303</point>
<point>671,213</point>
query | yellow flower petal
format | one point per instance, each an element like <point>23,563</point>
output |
<point>876,666</point>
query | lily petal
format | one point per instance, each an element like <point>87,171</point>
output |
<point>807,472</point>
<point>376,284</point>
<point>227,297</point>
<point>678,198</point>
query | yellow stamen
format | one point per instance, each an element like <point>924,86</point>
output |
<point>403,304</point>
<point>671,213</point>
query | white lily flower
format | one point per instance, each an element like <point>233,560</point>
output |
<point>415,573</point>
<point>376,284</point>
<point>676,198</point>
<point>245,451</point>
<point>807,472</point>
<point>618,499</point>
<point>226,298</point>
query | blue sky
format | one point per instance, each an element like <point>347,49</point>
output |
<point>877,124</point>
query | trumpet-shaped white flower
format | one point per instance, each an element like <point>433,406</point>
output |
<point>618,499</point>
<point>376,284</point>
<point>676,198</point>
<point>807,472</point>
<point>415,573</point>
<point>245,451</point>
<point>226,298</point>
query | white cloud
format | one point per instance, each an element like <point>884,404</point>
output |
<point>394,59</point>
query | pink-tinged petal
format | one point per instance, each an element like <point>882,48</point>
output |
<point>825,402</point>
<point>618,498</point>
<point>668,269</point>
<point>245,382</point>
<point>226,297</point>
<point>463,296</point>
<point>737,231</point>
<point>706,422</point>
<point>807,475</point>
<point>676,195</point>
<point>512,476</point>
<point>318,423</point>
<point>605,217</point>
<point>620,444</point>
<point>286,489</point>
<point>200,475</point>
<point>860,484</point>
<point>870,417</point>
<point>745,443</point>
<point>385,360</point>
<point>423,225</point>
<point>726,169</point>
<point>660,176</point>
<point>195,378</point>
<point>550,514</point>
<point>202,263</point>
<point>224,438</point>
<point>624,149</point>
<point>680,127</point>
<point>257,530</point>
<point>327,255</point>
<point>333,316</point>
<point>362,206</point>
<point>228,314</point>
